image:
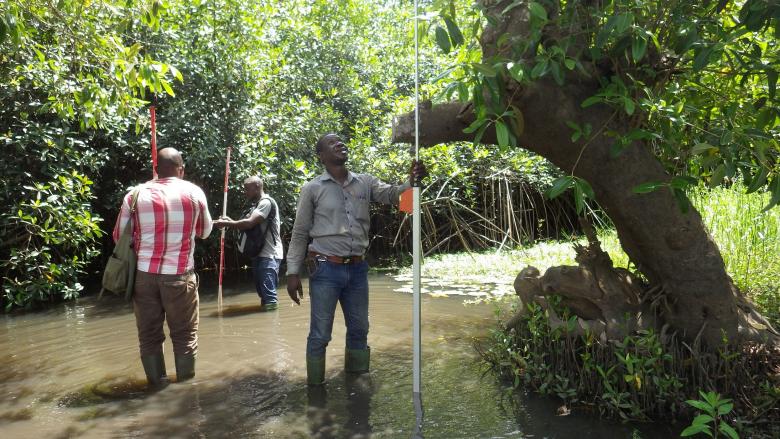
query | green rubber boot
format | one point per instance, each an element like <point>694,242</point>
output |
<point>357,360</point>
<point>269,307</point>
<point>154,367</point>
<point>315,370</point>
<point>185,367</point>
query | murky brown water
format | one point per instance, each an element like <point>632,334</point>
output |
<point>74,371</point>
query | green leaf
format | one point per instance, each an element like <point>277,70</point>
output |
<point>485,69</point>
<point>539,69</point>
<point>585,187</point>
<point>591,101</point>
<point>442,39</point>
<point>502,134</point>
<point>702,419</point>
<point>774,187</point>
<point>167,87</point>
<point>537,11</point>
<point>516,71</point>
<point>717,175</point>
<point>3,29</point>
<point>579,199</point>
<point>559,186</point>
<point>683,203</point>
<point>176,73</point>
<point>629,105</point>
<point>696,429</point>
<point>728,430</point>
<point>771,79</point>
<point>623,21</point>
<point>480,133</point>
<point>455,35</point>
<point>570,63</point>
<point>645,188</point>
<point>638,48</point>
<point>758,181</point>
<point>701,148</point>
<point>702,59</point>
<point>725,408</point>
<point>682,182</point>
<point>557,74</point>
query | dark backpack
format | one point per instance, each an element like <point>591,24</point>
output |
<point>252,241</point>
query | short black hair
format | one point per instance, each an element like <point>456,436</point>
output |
<point>321,142</point>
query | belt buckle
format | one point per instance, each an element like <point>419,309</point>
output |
<point>346,260</point>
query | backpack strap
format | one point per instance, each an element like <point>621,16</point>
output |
<point>269,221</point>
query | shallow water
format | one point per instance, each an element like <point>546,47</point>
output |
<point>74,371</point>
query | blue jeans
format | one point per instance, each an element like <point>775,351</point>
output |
<point>331,283</point>
<point>266,274</point>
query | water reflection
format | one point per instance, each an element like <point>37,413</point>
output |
<point>75,372</point>
<point>323,416</point>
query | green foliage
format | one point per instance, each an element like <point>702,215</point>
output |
<point>749,241</point>
<point>711,422</point>
<point>266,78</point>
<point>643,376</point>
<point>54,238</point>
<point>696,82</point>
<point>69,82</point>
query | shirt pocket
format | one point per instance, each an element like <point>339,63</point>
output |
<point>362,203</point>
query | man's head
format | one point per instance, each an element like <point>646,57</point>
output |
<point>331,150</point>
<point>253,187</point>
<point>170,163</point>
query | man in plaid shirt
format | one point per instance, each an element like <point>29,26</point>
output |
<point>170,212</point>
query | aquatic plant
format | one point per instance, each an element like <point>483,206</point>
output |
<point>644,376</point>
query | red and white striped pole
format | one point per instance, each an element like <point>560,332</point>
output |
<point>222,237</point>
<point>153,114</point>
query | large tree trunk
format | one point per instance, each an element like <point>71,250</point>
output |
<point>669,246</point>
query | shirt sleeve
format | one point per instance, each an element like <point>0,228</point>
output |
<point>264,208</point>
<point>299,241</point>
<point>205,224</point>
<point>384,193</point>
<point>123,217</point>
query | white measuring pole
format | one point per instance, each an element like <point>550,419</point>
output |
<point>416,330</point>
<point>222,236</point>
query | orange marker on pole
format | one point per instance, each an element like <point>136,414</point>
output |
<point>406,203</point>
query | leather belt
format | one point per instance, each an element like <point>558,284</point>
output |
<point>338,259</point>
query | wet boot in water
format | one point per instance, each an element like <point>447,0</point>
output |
<point>315,370</point>
<point>185,367</point>
<point>357,360</point>
<point>266,307</point>
<point>154,367</point>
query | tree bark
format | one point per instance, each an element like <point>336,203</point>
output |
<point>669,246</point>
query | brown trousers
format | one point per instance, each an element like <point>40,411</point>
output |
<point>174,297</point>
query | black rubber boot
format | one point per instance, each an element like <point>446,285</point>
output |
<point>154,367</point>
<point>185,366</point>
<point>357,360</point>
<point>315,370</point>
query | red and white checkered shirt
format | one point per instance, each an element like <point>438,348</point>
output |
<point>170,213</point>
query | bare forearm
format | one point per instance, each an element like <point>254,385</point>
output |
<point>242,224</point>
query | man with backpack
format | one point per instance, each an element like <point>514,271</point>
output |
<point>259,239</point>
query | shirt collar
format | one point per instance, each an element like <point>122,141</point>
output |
<point>326,176</point>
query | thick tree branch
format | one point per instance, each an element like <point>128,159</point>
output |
<point>439,124</point>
